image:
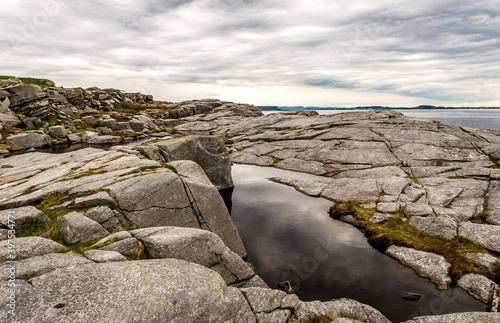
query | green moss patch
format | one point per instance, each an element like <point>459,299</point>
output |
<point>397,232</point>
<point>34,81</point>
<point>90,172</point>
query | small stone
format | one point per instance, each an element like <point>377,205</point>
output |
<point>349,219</point>
<point>388,207</point>
<point>29,140</point>
<point>379,218</point>
<point>412,297</point>
<point>136,124</point>
<point>127,247</point>
<point>123,126</point>
<point>58,132</point>
<point>110,123</point>
<point>115,236</point>
<point>100,214</point>
<point>75,138</point>
<point>418,209</point>
<point>77,228</point>
<point>103,130</point>
<point>98,199</point>
<point>104,256</point>
<point>89,120</point>
<point>368,205</point>
<point>285,286</point>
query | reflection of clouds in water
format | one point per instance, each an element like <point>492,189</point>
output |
<point>290,236</point>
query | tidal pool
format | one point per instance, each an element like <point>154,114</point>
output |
<point>290,236</point>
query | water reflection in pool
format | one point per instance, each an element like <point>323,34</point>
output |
<point>289,236</point>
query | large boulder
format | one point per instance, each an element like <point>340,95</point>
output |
<point>29,140</point>
<point>58,132</point>
<point>208,152</point>
<point>164,290</point>
<point>25,93</point>
<point>182,197</point>
<point>194,245</point>
<point>208,204</point>
<point>7,116</point>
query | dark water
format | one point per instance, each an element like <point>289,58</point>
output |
<point>290,236</point>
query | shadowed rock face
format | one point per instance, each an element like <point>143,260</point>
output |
<point>208,152</point>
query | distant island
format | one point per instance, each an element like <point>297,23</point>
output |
<point>373,107</point>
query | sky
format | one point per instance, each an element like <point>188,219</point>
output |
<point>341,53</point>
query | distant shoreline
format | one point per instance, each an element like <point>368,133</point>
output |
<point>422,107</point>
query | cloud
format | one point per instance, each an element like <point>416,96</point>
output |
<point>398,51</point>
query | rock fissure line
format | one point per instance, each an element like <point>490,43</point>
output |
<point>194,205</point>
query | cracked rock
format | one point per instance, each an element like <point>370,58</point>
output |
<point>426,264</point>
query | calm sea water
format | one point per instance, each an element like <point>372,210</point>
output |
<point>290,236</point>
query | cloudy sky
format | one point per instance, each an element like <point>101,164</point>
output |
<point>266,52</point>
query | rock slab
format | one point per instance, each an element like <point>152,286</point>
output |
<point>426,264</point>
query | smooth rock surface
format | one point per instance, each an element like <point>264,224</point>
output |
<point>77,228</point>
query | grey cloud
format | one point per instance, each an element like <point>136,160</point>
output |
<point>440,51</point>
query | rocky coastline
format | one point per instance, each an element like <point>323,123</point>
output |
<point>140,232</point>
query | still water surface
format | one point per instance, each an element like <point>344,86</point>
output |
<point>290,236</point>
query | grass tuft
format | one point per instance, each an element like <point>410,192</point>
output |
<point>34,81</point>
<point>397,232</point>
